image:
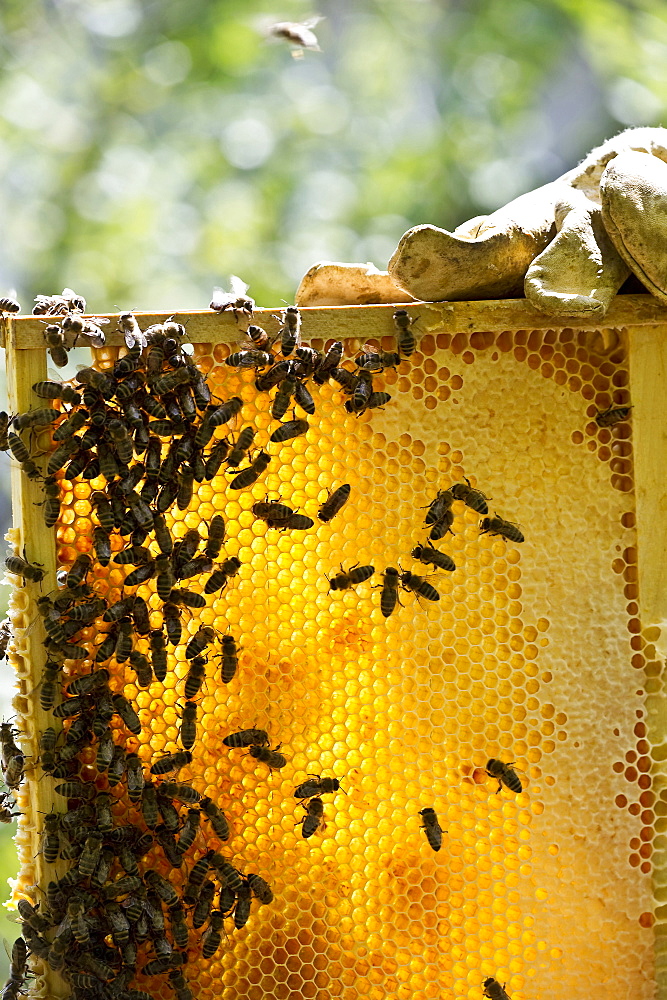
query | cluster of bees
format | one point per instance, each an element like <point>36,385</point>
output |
<point>151,429</point>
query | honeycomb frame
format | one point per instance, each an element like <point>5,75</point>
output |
<point>517,879</point>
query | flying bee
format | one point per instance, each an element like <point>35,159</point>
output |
<point>216,534</point>
<point>250,475</point>
<point>290,429</point>
<point>389,595</point>
<point>316,785</point>
<point>613,415</point>
<point>235,299</point>
<point>472,498</point>
<point>494,990</point>
<point>431,827</point>
<point>334,502</point>
<point>418,585</point>
<point>298,33</point>
<point>270,757</point>
<point>243,443</point>
<point>230,660</point>
<point>172,762</point>
<point>19,566</point>
<point>499,526</point>
<point>290,330</point>
<point>314,817</point>
<point>404,335</point>
<point>429,554</point>
<point>505,774</point>
<point>247,738</point>
<point>350,578</point>
<point>55,342</point>
<point>188,733</point>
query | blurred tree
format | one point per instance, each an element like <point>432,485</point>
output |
<point>149,149</point>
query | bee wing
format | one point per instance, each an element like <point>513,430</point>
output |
<point>522,776</point>
<point>237,286</point>
<point>221,298</point>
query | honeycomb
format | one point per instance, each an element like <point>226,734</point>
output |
<point>533,654</point>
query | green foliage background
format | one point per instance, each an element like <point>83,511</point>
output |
<point>149,148</point>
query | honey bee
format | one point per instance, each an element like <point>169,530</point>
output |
<point>215,817</point>
<point>376,361</point>
<point>498,526</point>
<point>51,846</point>
<point>264,754</point>
<point>188,831</point>
<point>243,443</point>
<point>202,638</point>
<point>122,886</point>
<point>290,429</point>
<point>283,397</point>
<point>38,418</point>
<point>247,738</point>
<point>188,734</point>
<point>19,566</point>
<point>418,585</point>
<point>90,854</point>
<point>195,677</point>
<point>220,578</point>
<point>316,785</point>
<point>290,331</point>
<point>472,498</point>
<point>314,817</point>
<point>229,659</point>
<point>55,342</point>
<point>505,774</point>
<point>172,762</point>
<point>227,874</point>
<point>429,554</point>
<point>9,305</point>
<point>4,427</point>
<point>350,578</point>
<point>303,398</point>
<point>404,335</point>
<point>6,636</point>
<point>124,709</point>
<point>439,508</point>
<point>260,888</point>
<point>494,990</point>
<point>213,935</point>
<point>431,828</point>
<point>361,387</point>
<point>613,415</point>
<point>242,908</point>
<point>56,390</point>
<point>250,475</point>
<point>389,595</point>
<point>172,621</point>
<point>179,927</point>
<point>249,359</point>
<point>70,426</point>
<point>121,440</point>
<point>80,568</point>
<point>180,791</point>
<point>18,448</point>
<point>235,299</point>
<point>329,362</point>
<point>196,878</point>
<point>334,502</point>
<point>216,534</point>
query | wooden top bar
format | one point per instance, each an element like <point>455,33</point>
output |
<point>338,322</point>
